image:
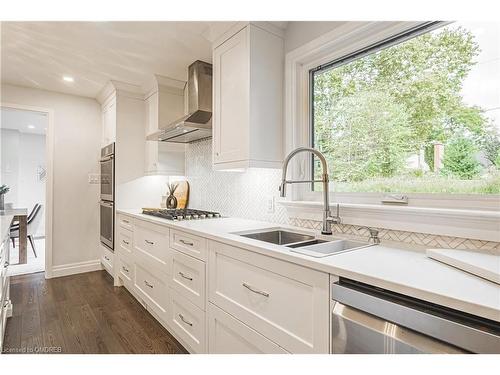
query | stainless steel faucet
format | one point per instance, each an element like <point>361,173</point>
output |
<point>328,220</point>
<point>374,238</point>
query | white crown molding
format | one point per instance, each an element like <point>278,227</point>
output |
<point>119,88</point>
<point>264,25</point>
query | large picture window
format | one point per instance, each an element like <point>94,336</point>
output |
<point>420,114</point>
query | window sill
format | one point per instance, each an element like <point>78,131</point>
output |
<point>474,224</point>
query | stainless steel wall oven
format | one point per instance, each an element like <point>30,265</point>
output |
<point>107,204</point>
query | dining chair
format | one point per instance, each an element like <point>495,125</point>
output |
<point>33,222</point>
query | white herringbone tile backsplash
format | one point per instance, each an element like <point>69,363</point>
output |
<point>245,194</point>
<point>238,194</point>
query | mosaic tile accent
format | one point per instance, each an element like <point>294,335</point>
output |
<point>239,194</point>
<point>245,194</point>
<point>412,238</point>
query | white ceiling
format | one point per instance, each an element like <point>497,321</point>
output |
<point>24,121</point>
<point>39,54</point>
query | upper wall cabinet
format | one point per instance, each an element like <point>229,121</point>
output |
<point>108,114</point>
<point>248,105</point>
<point>122,107</point>
<point>164,104</point>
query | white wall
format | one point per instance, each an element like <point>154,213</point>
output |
<point>299,33</point>
<point>142,192</point>
<point>9,166</point>
<point>77,138</point>
<point>22,154</point>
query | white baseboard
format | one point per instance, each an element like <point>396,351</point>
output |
<point>74,268</point>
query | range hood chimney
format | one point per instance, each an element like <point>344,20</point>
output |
<point>197,124</point>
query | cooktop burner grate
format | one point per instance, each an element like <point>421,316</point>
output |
<point>181,214</point>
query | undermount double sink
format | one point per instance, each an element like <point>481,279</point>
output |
<point>304,243</point>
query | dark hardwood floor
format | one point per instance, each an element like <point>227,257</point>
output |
<point>81,314</point>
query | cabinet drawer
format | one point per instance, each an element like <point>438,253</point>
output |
<point>125,270</point>
<point>107,259</point>
<point>188,322</point>
<point>125,222</point>
<point>151,244</point>
<point>152,289</point>
<point>125,241</point>
<point>188,278</point>
<point>284,302</point>
<point>189,244</point>
<point>227,335</point>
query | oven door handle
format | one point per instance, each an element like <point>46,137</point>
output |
<point>107,158</point>
<point>106,204</point>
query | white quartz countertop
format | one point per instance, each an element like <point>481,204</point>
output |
<point>399,270</point>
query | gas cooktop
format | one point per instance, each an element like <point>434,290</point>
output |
<point>180,214</point>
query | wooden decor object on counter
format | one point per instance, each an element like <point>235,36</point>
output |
<point>182,194</point>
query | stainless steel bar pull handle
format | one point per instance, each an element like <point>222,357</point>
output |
<point>126,242</point>
<point>184,276</point>
<point>105,257</point>
<point>186,243</point>
<point>252,289</point>
<point>149,242</point>
<point>148,284</point>
<point>6,264</point>
<point>125,269</point>
<point>185,321</point>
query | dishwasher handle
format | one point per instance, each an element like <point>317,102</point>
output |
<point>357,332</point>
<point>464,336</point>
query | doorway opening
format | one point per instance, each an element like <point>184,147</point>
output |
<point>24,172</point>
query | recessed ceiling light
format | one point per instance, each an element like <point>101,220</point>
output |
<point>68,79</point>
<point>31,126</point>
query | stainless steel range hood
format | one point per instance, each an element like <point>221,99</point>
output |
<point>197,124</point>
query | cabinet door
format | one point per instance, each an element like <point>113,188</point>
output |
<point>287,303</point>
<point>231,99</point>
<point>109,122</point>
<point>227,335</point>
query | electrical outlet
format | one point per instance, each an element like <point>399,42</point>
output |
<point>270,205</point>
<point>94,178</point>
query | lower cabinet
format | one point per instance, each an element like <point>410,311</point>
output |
<point>287,303</point>
<point>153,289</point>
<point>228,335</point>
<point>5,304</point>
<point>107,260</point>
<point>238,301</point>
<point>188,322</point>
<point>125,270</point>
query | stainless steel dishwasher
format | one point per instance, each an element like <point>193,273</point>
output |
<point>366,319</point>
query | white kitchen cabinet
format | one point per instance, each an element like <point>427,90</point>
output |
<point>153,289</point>
<point>107,259</point>
<point>287,303</point>
<point>188,278</point>
<point>228,335</point>
<point>151,246</point>
<point>188,322</point>
<point>189,244</point>
<point>247,107</point>
<point>108,113</point>
<point>5,304</point>
<point>164,104</point>
<point>238,302</point>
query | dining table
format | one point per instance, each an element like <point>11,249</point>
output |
<point>20,215</point>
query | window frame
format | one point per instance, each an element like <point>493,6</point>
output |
<point>350,41</point>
